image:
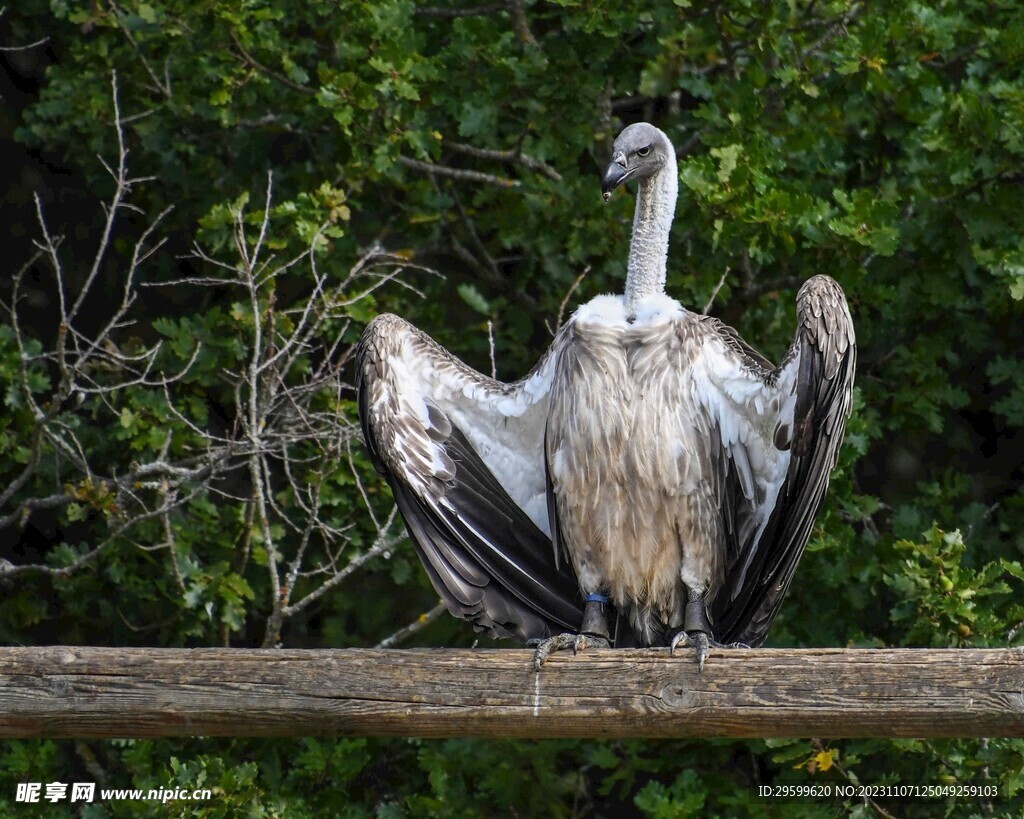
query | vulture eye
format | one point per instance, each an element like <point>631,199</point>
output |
<point>643,151</point>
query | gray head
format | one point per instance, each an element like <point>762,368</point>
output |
<point>639,152</point>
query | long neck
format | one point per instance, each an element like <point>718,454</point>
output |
<point>652,221</point>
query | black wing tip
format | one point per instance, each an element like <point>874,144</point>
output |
<point>522,594</point>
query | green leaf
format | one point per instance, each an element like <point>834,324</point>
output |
<point>469,294</point>
<point>728,157</point>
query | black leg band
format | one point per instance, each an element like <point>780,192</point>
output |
<point>595,620</point>
<point>695,617</point>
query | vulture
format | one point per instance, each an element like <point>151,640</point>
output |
<point>653,480</point>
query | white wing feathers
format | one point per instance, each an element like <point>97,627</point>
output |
<point>781,429</point>
<point>464,456</point>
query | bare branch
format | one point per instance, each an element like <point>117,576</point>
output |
<point>285,438</point>
<point>834,27</point>
<point>711,299</point>
<point>412,628</point>
<point>245,57</point>
<point>568,295</point>
<point>49,247</point>
<point>506,156</point>
<point>36,44</point>
<point>9,569</point>
<point>163,87</point>
<point>382,546</point>
<point>120,176</point>
<point>265,222</point>
<point>24,510</point>
<point>473,11</point>
<point>490,344</point>
<point>520,23</point>
<point>459,173</point>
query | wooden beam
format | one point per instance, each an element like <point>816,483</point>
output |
<point>147,692</point>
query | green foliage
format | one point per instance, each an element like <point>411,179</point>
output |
<point>943,603</point>
<point>880,143</point>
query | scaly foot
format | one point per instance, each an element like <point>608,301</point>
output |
<point>702,642</point>
<point>697,639</point>
<point>577,642</point>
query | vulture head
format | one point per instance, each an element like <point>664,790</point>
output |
<point>639,152</point>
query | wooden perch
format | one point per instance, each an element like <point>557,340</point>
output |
<point>148,692</point>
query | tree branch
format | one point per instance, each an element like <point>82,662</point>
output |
<point>506,156</point>
<point>459,173</point>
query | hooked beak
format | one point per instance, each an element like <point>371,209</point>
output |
<point>614,175</point>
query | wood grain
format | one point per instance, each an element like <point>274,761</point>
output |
<point>146,692</point>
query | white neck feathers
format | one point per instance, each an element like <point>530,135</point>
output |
<point>652,221</point>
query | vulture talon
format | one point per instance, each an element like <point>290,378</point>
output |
<point>577,642</point>
<point>703,642</point>
<point>594,631</point>
<point>681,639</point>
<point>590,641</point>
<point>697,639</point>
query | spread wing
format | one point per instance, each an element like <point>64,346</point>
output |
<point>780,431</point>
<point>464,456</point>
